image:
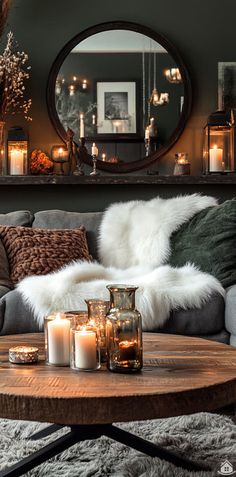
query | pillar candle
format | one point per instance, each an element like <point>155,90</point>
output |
<point>94,150</point>
<point>59,341</point>
<point>16,162</point>
<point>81,125</point>
<point>85,349</point>
<point>216,158</point>
<point>147,133</point>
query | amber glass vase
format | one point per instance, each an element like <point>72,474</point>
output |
<point>123,331</point>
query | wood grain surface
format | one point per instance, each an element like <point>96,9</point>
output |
<point>181,375</point>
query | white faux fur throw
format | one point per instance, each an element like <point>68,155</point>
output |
<point>134,245</point>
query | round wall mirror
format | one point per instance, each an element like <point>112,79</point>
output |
<point>124,87</point>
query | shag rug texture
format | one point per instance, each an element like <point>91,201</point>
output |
<point>203,437</point>
<point>134,247</point>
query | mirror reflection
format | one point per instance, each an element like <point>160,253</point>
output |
<point>122,90</point>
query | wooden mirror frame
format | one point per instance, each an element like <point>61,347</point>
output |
<point>121,25</point>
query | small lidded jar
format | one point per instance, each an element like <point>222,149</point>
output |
<point>123,331</point>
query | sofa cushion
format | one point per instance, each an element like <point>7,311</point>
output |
<point>60,219</point>
<point>5,280</point>
<point>39,251</point>
<point>19,217</point>
<point>208,240</point>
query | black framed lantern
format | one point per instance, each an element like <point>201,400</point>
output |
<point>17,151</point>
<point>218,151</point>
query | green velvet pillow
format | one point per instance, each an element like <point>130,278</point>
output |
<point>209,241</point>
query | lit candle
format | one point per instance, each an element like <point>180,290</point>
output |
<point>81,125</point>
<point>74,78</point>
<point>17,162</point>
<point>59,340</point>
<point>60,152</point>
<point>71,89</point>
<point>116,124</point>
<point>103,156</point>
<point>23,354</point>
<point>127,350</point>
<point>147,133</point>
<point>84,84</point>
<point>93,119</point>
<point>94,150</point>
<point>216,159</point>
<point>85,349</point>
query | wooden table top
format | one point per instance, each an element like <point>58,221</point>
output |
<point>181,375</point>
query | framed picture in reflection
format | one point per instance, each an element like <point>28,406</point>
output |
<point>227,85</point>
<point>116,107</point>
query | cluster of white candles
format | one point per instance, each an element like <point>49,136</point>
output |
<point>59,343</point>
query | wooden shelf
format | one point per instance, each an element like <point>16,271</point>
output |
<point>213,179</point>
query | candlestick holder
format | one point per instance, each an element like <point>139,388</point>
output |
<point>123,331</point>
<point>147,147</point>
<point>57,328</point>
<point>94,171</point>
<point>85,349</point>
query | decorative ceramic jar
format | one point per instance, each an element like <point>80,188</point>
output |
<point>123,331</point>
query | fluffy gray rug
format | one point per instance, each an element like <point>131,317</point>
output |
<point>204,437</point>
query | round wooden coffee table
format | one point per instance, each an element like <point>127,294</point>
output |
<point>181,375</point>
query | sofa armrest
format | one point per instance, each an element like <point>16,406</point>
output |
<point>15,315</point>
<point>230,313</point>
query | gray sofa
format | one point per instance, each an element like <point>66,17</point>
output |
<point>215,320</point>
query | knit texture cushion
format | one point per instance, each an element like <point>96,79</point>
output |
<point>40,251</point>
<point>4,268</point>
<point>209,241</point>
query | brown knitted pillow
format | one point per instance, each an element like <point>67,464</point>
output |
<point>40,251</point>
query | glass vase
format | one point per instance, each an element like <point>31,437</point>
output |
<point>2,148</point>
<point>97,311</point>
<point>123,331</point>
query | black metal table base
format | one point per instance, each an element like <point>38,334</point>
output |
<point>86,432</point>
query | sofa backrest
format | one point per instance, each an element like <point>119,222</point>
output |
<point>61,219</point>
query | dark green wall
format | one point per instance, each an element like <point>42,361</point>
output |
<point>204,33</point>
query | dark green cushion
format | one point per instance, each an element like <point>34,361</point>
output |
<point>209,241</point>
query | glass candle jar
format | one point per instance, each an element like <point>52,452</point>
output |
<point>97,311</point>
<point>123,331</point>
<point>85,351</point>
<point>57,338</point>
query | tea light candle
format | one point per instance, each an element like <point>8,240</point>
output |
<point>59,340</point>
<point>127,350</point>
<point>16,162</point>
<point>85,349</point>
<point>23,355</point>
<point>216,158</point>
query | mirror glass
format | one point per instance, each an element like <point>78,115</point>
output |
<point>123,90</point>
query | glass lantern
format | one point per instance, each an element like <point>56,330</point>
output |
<point>17,152</point>
<point>123,331</point>
<point>218,150</point>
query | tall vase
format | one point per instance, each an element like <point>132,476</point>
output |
<point>2,148</point>
<point>123,331</point>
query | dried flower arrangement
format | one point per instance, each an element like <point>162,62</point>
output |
<point>13,73</point>
<point>40,163</point>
